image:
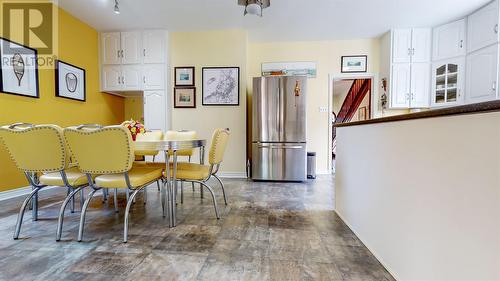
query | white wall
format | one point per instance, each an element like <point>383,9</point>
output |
<point>424,195</point>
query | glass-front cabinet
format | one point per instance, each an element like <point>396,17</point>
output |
<point>448,82</point>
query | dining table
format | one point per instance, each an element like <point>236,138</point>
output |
<point>169,187</point>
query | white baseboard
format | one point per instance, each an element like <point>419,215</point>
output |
<point>233,175</point>
<point>22,191</point>
<point>325,172</point>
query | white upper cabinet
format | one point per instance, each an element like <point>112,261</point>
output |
<point>482,75</point>
<point>154,48</point>
<point>111,48</point>
<point>421,43</point>
<point>131,47</point>
<point>401,45</point>
<point>482,29</point>
<point>132,77</point>
<point>154,110</point>
<point>400,85</point>
<point>448,80</point>
<point>449,40</point>
<point>111,78</point>
<point>420,85</point>
<point>154,76</point>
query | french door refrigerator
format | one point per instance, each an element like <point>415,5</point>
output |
<point>279,128</point>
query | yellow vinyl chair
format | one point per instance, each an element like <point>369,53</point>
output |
<point>197,173</point>
<point>140,155</point>
<point>108,152</point>
<point>41,149</point>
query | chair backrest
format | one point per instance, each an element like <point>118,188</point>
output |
<point>218,146</point>
<point>181,135</point>
<point>154,135</point>
<point>101,150</point>
<point>36,148</point>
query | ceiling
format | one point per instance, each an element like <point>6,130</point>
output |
<point>285,20</point>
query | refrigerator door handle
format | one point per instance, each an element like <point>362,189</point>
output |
<point>281,146</point>
<point>278,112</point>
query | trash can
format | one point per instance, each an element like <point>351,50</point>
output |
<point>311,165</point>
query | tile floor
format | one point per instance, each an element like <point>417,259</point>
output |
<point>269,231</point>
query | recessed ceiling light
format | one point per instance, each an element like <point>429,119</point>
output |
<point>117,9</point>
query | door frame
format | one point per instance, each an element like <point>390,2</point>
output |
<point>373,104</point>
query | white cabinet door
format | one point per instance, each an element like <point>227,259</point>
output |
<point>154,50</point>
<point>131,43</point>
<point>110,48</point>
<point>154,77</point>
<point>111,78</point>
<point>482,75</point>
<point>401,45</point>
<point>482,27</point>
<point>448,80</point>
<point>400,85</point>
<point>421,45</point>
<point>420,85</point>
<point>449,40</point>
<point>132,77</point>
<point>154,110</point>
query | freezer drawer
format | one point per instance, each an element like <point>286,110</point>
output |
<point>279,162</point>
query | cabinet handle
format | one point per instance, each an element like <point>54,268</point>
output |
<point>494,86</point>
<point>144,79</point>
<point>118,53</point>
<point>461,44</point>
<point>413,51</point>
<point>409,51</point>
<point>496,28</point>
<point>144,52</point>
<point>119,80</point>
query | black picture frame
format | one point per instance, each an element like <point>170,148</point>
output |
<point>204,88</point>
<point>184,88</point>
<point>37,86</point>
<point>57,81</point>
<point>354,71</point>
<point>192,68</point>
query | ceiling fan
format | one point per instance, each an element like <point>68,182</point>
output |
<point>254,7</point>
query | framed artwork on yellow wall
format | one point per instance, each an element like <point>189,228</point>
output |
<point>70,81</point>
<point>18,69</point>
<point>185,97</point>
<point>184,76</point>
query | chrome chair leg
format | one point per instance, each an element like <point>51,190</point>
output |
<point>34,206</point>
<point>145,199</point>
<point>60,222</point>
<point>182,192</point>
<point>20,216</point>
<point>192,186</point>
<point>72,201</point>
<point>104,195</point>
<point>222,186</point>
<point>127,211</point>
<point>115,199</point>
<point>201,191</point>
<point>82,198</point>
<point>127,195</point>
<point>84,211</point>
<point>158,185</point>
<point>213,198</point>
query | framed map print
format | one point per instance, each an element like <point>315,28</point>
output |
<point>18,69</point>
<point>70,81</point>
<point>221,86</point>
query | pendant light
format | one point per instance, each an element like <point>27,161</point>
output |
<point>117,9</point>
<point>254,7</point>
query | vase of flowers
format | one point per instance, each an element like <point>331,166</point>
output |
<point>135,128</point>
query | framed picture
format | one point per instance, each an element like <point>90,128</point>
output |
<point>353,64</point>
<point>185,97</point>
<point>70,81</point>
<point>184,76</point>
<point>18,69</point>
<point>221,86</point>
<point>362,113</point>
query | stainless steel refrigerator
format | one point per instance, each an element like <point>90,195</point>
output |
<point>279,128</point>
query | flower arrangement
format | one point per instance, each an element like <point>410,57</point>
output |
<point>135,128</point>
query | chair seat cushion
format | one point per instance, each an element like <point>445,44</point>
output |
<point>191,171</point>
<point>138,176</point>
<point>74,176</point>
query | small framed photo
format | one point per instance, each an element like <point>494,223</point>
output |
<point>221,86</point>
<point>362,113</point>
<point>185,97</point>
<point>18,69</point>
<point>354,64</point>
<point>70,81</point>
<point>184,76</point>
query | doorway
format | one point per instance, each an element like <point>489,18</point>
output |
<point>351,101</point>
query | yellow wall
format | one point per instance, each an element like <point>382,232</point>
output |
<point>134,108</point>
<point>77,45</point>
<point>327,54</point>
<point>214,48</point>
